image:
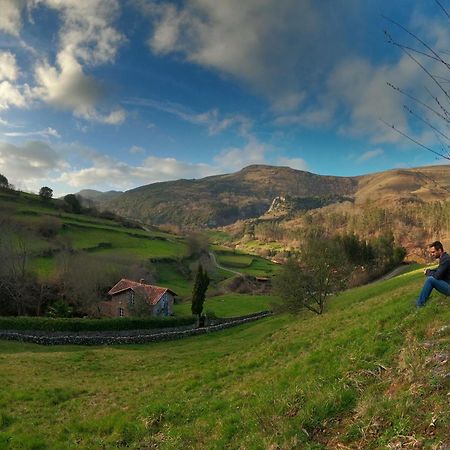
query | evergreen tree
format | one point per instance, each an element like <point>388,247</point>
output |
<point>198,294</point>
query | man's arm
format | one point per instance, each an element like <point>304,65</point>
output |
<point>442,270</point>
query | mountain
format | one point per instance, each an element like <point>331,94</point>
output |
<point>224,199</point>
<point>98,196</point>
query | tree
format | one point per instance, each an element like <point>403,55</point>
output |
<point>198,294</point>
<point>4,182</point>
<point>72,203</point>
<point>307,282</point>
<point>197,244</point>
<point>45,193</point>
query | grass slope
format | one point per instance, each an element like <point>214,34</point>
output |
<point>371,373</point>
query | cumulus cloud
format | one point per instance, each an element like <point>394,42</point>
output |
<point>8,66</point>
<point>278,48</point>
<point>231,159</point>
<point>110,173</point>
<point>10,21</point>
<point>31,161</point>
<point>87,38</point>
<point>302,56</point>
<point>10,95</point>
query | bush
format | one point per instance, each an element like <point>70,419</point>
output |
<point>116,324</point>
<point>49,227</point>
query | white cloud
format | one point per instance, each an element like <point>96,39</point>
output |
<point>69,88</point>
<point>10,95</point>
<point>10,21</point>
<point>232,159</point>
<point>8,66</point>
<point>87,38</point>
<point>280,49</point>
<point>370,154</point>
<point>29,162</point>
<point>47,132</point>
<point>314,117</point>
<point>212,119</point>
<point>294,163</point>
<point>109,173</point>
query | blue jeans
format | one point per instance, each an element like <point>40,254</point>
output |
<point>441,286</point>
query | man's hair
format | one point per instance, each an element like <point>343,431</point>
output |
<point>437,245</point>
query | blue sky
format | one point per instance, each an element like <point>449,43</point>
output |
<point>108,94</point>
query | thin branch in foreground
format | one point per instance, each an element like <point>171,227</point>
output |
<point>443,9</point>
<point>426,122</point>
<point>420,102</point>
<point>436,99</point>
<point>415,140</point>
<point>417,39</point>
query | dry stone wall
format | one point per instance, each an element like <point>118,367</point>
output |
<point>135,337</point>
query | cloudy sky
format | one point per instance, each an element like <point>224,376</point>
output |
<point>110,94</point>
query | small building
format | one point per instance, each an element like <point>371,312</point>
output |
<point>126,293</point>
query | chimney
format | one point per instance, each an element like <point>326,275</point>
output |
<point>142,281</point>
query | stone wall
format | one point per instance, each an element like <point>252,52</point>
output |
<point>111,338</point>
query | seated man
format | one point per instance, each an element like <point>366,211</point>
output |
<point>439,278</point>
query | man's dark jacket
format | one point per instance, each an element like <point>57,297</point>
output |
<point>443,270</point>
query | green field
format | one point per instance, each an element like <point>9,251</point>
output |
<point>244,263</point>
<point>371,373</point>
<point>229,305</point>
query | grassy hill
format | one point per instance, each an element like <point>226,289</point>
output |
<point>371,373</point>
<point>51,238</point>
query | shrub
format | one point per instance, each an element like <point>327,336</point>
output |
<point>115,324</point>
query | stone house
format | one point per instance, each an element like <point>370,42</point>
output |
<point>126,293</point>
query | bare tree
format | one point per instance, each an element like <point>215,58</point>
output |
<point>307,282</point>
<point>430,107</point>
<point>16,280</point>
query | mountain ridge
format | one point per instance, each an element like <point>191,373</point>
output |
<point>220,200</point>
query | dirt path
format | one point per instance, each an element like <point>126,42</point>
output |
<point>214,260</point>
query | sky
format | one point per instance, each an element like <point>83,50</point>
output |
<point>111,95</point>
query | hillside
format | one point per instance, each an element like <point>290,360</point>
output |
<point>371,373</point>
<point>98,196</point>
<point>249,193</point>
<point>223,199</point>
<point>51,253</point>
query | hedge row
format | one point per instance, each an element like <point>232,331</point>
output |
<point>116,324</point>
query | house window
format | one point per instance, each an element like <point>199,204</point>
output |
<point>121,312</point>
<point>132,298</point>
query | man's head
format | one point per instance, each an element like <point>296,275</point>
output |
<point>436,249</point>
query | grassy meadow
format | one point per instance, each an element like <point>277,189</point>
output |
<point>244,263</point>
<point>371,373</point>
<point>229,305</point>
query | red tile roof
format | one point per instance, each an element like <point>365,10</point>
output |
<point>152,293</point>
